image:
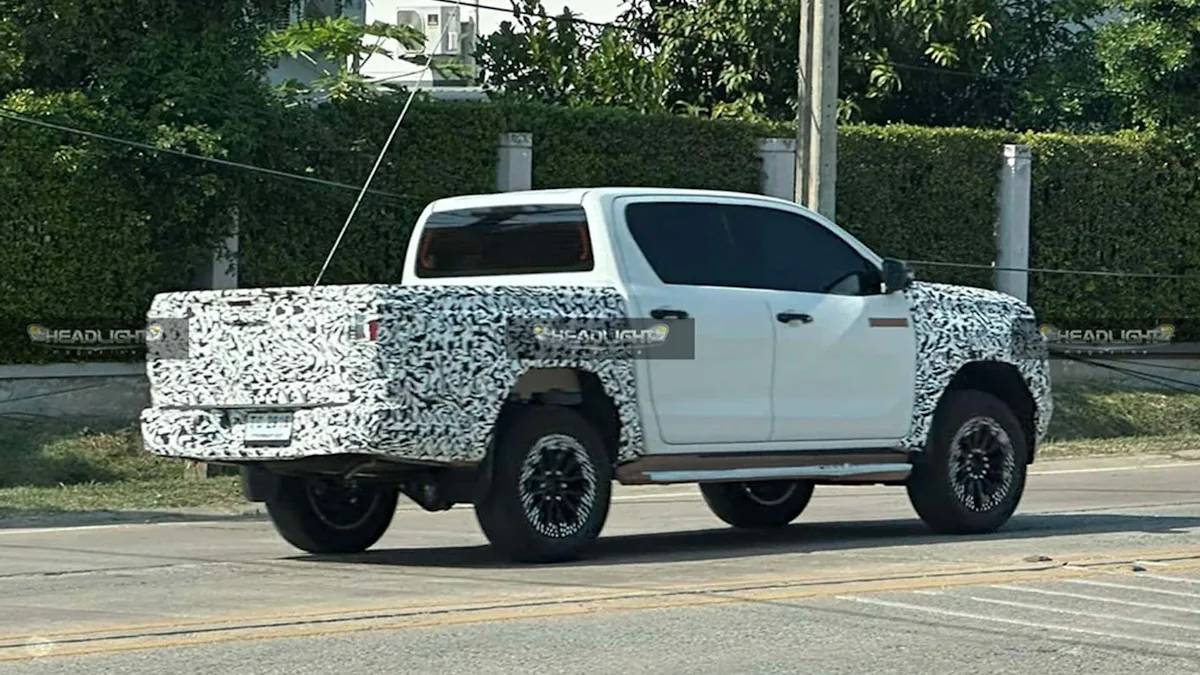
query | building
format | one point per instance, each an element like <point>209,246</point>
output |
<point>455,44</point>
<point>451,34</point>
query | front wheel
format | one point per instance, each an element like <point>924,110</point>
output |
<point>758,504</point>
<point>551,487</point>
<point>325,515</point>
<point>971,475</point>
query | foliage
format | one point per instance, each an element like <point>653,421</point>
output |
<point>340,47</point>
<point>287,228</point>
<point>922,194</point>
<point>91,228</point>
<point>563,61</point>
<point>449,148</point>
<point>992,63</point>
<point>1152,54</point>
<point>1118,203</point>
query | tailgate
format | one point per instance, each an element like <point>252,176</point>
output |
<point>290,347</point>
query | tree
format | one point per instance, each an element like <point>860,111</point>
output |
<point>341,47</point>
<point>564,61</point>
<point>949,62</point>
<point>1151,55</point>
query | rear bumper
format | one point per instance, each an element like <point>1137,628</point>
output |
<point>215,435</point>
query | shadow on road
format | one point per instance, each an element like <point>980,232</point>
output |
<point>726,543</point>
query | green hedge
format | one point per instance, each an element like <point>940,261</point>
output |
<point>1126,204</point>
<point>90,229</point>
<point>922,194</point>
<point>287,227</point>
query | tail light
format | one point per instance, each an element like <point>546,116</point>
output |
<point>366,328</point>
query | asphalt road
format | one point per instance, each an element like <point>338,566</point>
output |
<point>1099,572</point>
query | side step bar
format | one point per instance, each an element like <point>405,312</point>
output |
<point>876,466</point>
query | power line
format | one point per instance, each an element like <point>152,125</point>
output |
<point>1049,270</point>
<point>10,114</point>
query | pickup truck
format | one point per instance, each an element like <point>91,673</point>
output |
<point>543,344</point>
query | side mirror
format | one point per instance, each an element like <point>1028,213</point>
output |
<point>897,276</point>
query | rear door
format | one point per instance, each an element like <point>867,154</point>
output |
<point>679,266</point>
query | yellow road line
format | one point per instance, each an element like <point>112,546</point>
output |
<point>872,573</point>
<point>129,638</point>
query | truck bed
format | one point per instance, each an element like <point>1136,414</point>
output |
<point>427,389</point>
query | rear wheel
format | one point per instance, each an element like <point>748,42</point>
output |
<point>757,504</point>
<point>326,515</point>
<point>551,487</point>
<point>972,474</point>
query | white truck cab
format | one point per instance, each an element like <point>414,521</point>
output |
<point>498,373</point>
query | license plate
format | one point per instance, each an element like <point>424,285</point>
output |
<point>262,427</point>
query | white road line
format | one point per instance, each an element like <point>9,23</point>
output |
<point>1097,598</point>
<point>1163,577</point>
<point>1115,469</point>
<point>1056,610</point>
<point>1018,622</point>
<point>1130,587</point>
<point>665,495</point>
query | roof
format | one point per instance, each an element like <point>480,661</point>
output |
<point>576,196</point>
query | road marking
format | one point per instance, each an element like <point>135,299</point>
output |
<point>1140,589</point>
<point>1056,610</point>
<point>1114,469</point>
<point>125,638</point>
<point>423,612</point>
<point>666,495</point>
<point>1018,622</point>
<point>1163,577</point>
<point>1098,598</point>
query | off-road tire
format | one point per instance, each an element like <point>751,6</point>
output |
<point>957,491</point>
<point>520,514</point>
<point>758,504</point>
<point>310,522</point>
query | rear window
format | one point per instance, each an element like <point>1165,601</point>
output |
<point>507,240</point>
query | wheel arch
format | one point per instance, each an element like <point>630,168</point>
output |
<point>572,386</point>
<point>1005,382</point>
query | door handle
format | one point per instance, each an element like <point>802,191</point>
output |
<point>788,317</point>
<point>663,313</point>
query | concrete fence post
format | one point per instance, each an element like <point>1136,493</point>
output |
<point>220,271</point>
<point>1012,227</point>
<point>515,169</point>
<point>777,157</point>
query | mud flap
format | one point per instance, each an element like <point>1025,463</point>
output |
<point>258,485</point>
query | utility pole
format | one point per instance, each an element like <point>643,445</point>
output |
<point>816,120</point>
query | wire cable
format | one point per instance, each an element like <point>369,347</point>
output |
<point>379,160</point>
<point>1047,270</point>
<point>10,114</point>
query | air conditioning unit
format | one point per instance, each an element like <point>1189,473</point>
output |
<point>410,18</point>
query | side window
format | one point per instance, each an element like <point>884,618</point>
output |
<point>789,252</point>
<point>686,243</point>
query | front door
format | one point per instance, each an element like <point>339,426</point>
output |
<point>845,355</point>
